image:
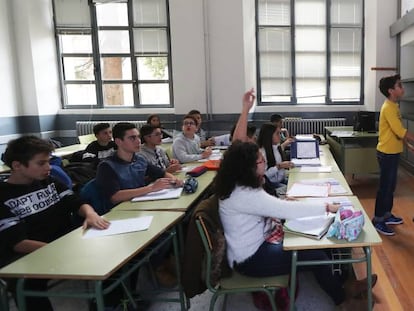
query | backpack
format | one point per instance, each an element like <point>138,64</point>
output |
<point>80,173</point>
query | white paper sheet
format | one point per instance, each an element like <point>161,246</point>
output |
<point>120,226</point>
<point>314,227</point>
<point>306,162</point>
<point>315,169</point>
<point>171,193</point>
<point>299,189</point>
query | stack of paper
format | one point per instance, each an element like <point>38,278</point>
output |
<point>335,188</point>
<point>300,189</point>
<point>313,227</point>
<point>171,193</point>
<point>306,162</point>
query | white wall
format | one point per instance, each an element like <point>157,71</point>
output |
<point>230,36</point>
<point>380,48</point>
<point>8,87</point>
<point>28,73</point>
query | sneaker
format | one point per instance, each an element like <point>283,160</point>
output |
<point>382,228</point>
<point>393,220</point>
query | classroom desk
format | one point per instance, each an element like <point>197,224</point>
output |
<point>296,177</point>
<point>326,158</point>
<point>367,238</point>
<point>4,168</point>
<point>95,259</point>
<point>67,151</point>
<point>181,204</point>
<point>354,151</point>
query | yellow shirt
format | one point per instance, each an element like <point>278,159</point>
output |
<point>391,129</point>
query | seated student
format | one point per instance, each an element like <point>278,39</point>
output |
<point>246,213</point>
<point>285,139</point>
<point>127,174</point>
<point>151,139</point>
<point>204,141</point>
<point>154,120</point>
<point>35,208</point>
<point>269,142</point>
<point>186,146</point>
<point>103,146</point>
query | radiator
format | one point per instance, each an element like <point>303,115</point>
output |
<point>86,127</point>
<point>310,126</point>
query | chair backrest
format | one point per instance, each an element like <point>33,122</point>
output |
<point>91,193</point>
<point>208,247</point>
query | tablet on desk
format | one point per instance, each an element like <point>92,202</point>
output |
<point>304,149</point>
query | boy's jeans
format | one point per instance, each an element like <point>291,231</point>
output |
<point>388,164</point>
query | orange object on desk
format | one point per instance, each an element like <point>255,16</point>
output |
<point>212,164</point>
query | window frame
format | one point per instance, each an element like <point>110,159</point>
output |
<point>293,79</point>
<point>97,57</point>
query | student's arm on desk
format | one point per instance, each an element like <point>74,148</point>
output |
<point>28,246</point>
<point>159,184</point>
<point>92,219</point>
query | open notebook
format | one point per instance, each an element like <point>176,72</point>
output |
<point>171,193</point>
<point>314,227</point>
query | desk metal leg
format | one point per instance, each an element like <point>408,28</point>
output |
<point>367,251</point>
<point>4,304</point>
<point>293,280</point>
<point>178,268</point>
<point>21,301</point>
<point>99,296</point>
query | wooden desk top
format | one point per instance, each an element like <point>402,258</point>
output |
<point>72,257</point>
<point>326,157</point>
<point>68,150</point>
<point>355,134</point>
<point>4,168</point>
<point>368,237</point>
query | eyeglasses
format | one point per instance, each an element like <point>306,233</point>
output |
<point>133,137</point>
<point>189,123</point>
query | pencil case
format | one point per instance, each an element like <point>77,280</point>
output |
<point>347,225</point>
<point>190,185</point>
<point>197,171</point>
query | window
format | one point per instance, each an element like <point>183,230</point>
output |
<point>114,53</point>
<point>309,51</point>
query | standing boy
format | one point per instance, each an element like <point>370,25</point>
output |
<point>392,135</point>
<point>35,209</point>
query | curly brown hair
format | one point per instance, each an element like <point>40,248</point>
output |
<point>238,167</point>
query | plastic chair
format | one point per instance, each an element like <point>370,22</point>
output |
<point>237,283</point>
<point>91,193</point>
